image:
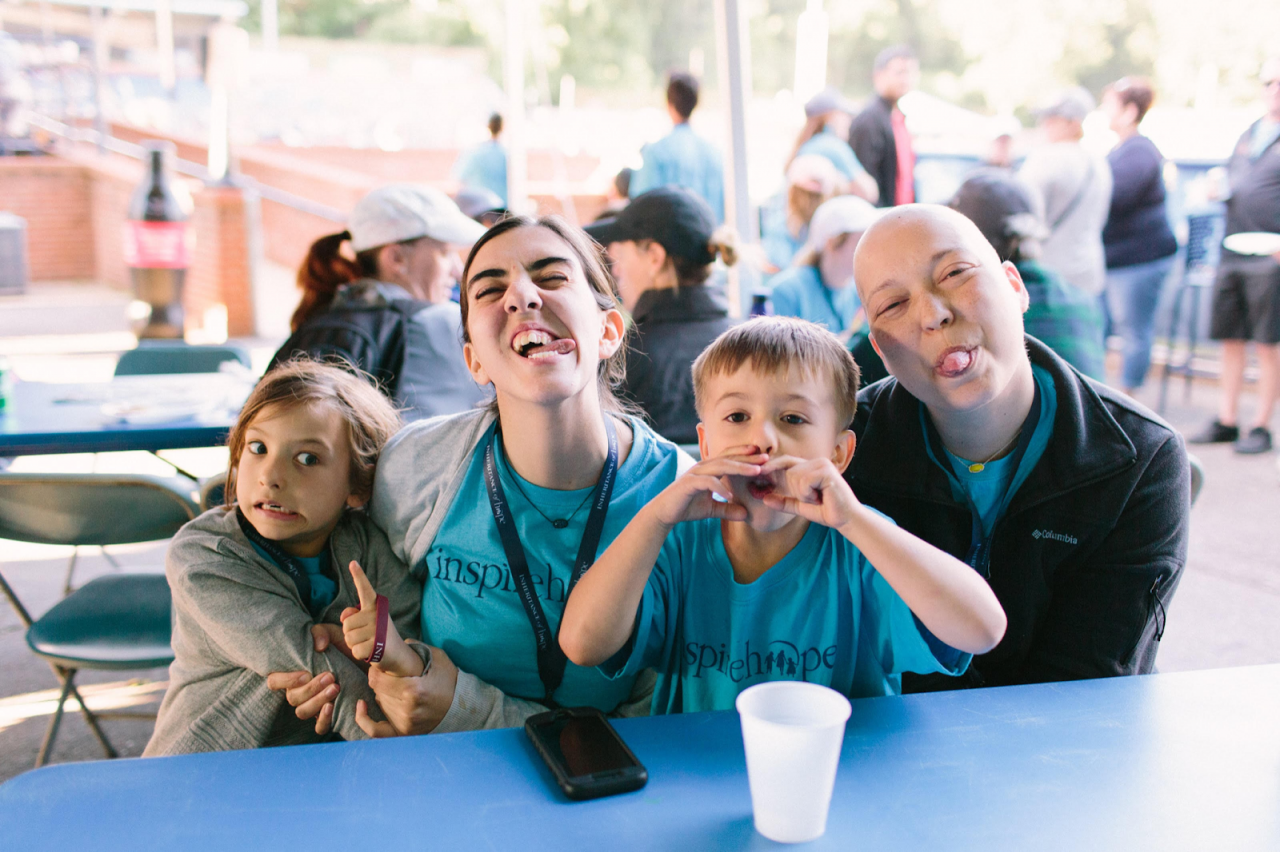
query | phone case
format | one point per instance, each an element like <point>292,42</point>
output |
<point>607,783</point>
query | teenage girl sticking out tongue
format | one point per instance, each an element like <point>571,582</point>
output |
<point>522,495</point>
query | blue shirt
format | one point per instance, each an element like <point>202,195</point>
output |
<point>821,615</point>
<point>485,166</point>
<point>323,587</point>
<point>835,149</point>
<point>799,292</point>
<point>990,490</point>
<point>682,158</point>
<point>776,240</point>
<point>470,607</point>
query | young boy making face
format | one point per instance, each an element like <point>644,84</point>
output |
<point>759,563</point>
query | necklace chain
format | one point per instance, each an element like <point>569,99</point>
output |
<point>558,523</point>
<point>978,467</point>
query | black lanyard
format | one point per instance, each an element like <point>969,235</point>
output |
<point>287,562</point>
<point>551,660</point>
<point>979,555</point>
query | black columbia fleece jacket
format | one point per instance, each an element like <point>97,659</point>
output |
<point>1088,554</point>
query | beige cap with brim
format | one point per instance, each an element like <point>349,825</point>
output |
<point>402,211</point>
<point>845,214</point>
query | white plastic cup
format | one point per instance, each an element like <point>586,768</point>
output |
<point>792,733</point>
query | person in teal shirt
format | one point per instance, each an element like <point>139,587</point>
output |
<point>485,166</point>
<point>759,564</point>
<point>682,158</point>
<point>785,218</point>
<point>827,119</point>
<point>819,285</point>
<point>468,580</point>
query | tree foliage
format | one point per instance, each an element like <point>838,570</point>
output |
<point>997,54</point>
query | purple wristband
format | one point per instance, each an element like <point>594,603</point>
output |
<point>380,634</point>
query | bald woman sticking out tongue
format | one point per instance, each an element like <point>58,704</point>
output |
<point>1071,499</point>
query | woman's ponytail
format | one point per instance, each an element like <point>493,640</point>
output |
<point>724,242</point>
<point>320,276</point>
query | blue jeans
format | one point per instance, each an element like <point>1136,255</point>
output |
<point>1132,295</point>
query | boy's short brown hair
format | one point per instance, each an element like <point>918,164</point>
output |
<point>370,417</point>
<point>778,344</point>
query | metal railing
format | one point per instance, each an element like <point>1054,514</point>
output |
<point>135,151</point>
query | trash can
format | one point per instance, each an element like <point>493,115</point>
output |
<point>13,254</point>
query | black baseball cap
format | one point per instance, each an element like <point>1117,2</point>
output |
<point>672,216</point>
<point>1000,204</point>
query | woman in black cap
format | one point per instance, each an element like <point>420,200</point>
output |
<point>662,247</point>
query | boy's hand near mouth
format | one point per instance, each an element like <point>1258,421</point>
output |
<point>814,489</point>
<point>692,496</point>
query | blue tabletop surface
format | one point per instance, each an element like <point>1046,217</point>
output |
<point>42,418</point>
<point>1185,761</point>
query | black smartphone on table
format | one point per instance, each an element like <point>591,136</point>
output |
<point>585,753</point>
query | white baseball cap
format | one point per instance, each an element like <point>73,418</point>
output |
<point>845,214</point>
<point>402,211</point>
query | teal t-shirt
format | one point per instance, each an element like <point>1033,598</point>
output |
<point>821,615</point>
<point>485,166</point>
<point>990,490</point>
<point>470,607</point>
<point>827,144</point>
<point>323,587</point>
<point>799,292</point>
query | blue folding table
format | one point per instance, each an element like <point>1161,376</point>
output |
<point>1187,761</point>
<point>152,412</point>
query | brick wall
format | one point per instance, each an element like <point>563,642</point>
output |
<point>220,271</point>
<point>287,233</point>
<point>76,204</point>
<point>54,197</point>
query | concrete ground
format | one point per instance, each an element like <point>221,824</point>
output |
<point>1224,614</point>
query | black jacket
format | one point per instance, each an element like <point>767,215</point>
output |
<point>412,348</point>
<point>1090,551</point>
<point>871,138</point>
<point>672,328</point>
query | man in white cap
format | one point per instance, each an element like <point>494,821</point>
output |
<point>819,284</point>
<point>396,320</point>
<point>1075,188</point>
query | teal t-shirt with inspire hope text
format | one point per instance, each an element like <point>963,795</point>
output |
<point>822,615</point>
<point>470,607</point>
